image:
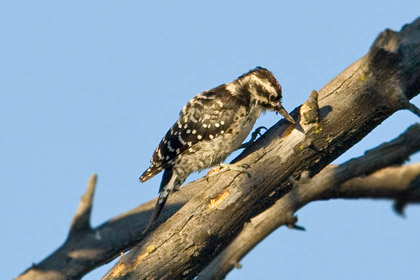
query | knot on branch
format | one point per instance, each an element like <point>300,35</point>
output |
<point>310,110</point>
<point>384,52</point>
<point>291,223</point>
<point>406,104</point>
<point>400,204</point>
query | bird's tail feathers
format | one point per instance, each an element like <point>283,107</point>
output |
<point>166,187</point>
<point>156,212</point>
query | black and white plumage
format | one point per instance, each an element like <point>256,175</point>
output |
<point>211,126</point>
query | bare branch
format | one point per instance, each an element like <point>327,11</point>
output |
<point>81,220</point>
<point>92,248</point>
<point>413,108</point>
<point>351,105</point>
<point>331,182</point>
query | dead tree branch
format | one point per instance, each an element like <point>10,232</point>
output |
<point>331,182</point>
<point>81,220</point>
<point>350,106</point>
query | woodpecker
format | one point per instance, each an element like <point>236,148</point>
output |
<point>211,126</point>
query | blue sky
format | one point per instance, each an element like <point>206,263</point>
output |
<point>92,86</point>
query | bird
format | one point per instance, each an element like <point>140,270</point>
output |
<point>211,126</point>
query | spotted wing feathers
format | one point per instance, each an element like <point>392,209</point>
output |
<point>205,117</point>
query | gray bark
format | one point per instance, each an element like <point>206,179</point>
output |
<point>350,106</point>
<point>214,210</point>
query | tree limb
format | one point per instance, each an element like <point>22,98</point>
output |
<point>81,220</point>
<point>331,182</point>
<point>351,105</point>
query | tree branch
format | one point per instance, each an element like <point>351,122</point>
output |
<point>331,182</point>
<point>81,220</point>
<point>351,105</point>
<point>89,249</point>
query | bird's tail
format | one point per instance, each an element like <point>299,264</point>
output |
<point>166,187</point>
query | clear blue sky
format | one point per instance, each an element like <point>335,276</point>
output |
<point>92,86</point>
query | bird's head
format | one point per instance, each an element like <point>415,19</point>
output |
<point>265,90</point>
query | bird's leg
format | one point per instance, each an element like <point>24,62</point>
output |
<point>254,135</point>
<point>223,167</point>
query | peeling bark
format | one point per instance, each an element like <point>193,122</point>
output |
<point>202,219</point>
<point>350,106</point>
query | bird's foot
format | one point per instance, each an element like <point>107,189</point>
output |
<point>223,167</point>
<point>254,135</point>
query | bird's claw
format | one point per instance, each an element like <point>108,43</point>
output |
<point>254,135</point>
<point>222,167</point>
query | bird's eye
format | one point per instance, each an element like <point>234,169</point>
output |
<point>272,97</point>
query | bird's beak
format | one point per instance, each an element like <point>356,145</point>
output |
<point>285,114</point>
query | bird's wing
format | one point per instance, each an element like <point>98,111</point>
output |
<point>206,116</point>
